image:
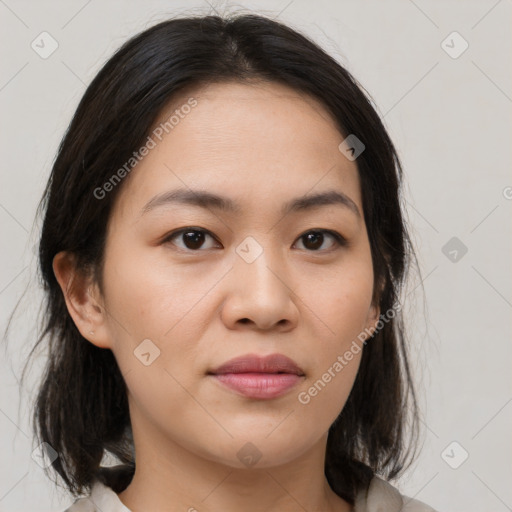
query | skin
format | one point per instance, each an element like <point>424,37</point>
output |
<point>260,145</point>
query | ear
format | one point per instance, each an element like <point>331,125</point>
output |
<point>373,316</point>
<point>83,299</point>
<point>372,319</point>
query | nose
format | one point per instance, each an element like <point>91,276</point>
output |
<point>259,296</point>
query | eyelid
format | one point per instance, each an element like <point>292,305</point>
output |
<point>169,236</point>
<point>342,241</point>
<point>339,239</point>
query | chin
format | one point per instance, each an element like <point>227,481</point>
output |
<point>258,451</point>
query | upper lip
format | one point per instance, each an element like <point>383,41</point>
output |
<point>251,363</point>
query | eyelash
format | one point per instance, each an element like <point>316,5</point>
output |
<point>339,239</point>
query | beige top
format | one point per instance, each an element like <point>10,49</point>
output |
<point>380,496</point>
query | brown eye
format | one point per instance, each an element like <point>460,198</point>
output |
<point>191,239</point>
<point>315,239</point>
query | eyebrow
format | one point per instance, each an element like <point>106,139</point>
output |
<point>212,201</point>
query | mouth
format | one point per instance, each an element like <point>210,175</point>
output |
<point>258,377</point>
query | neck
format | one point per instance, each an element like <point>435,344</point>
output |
<point>169,477</point>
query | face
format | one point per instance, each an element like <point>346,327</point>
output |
<point>191,282</point>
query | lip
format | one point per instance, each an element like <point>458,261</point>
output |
<point>252,363</point>
<point>259,377</point>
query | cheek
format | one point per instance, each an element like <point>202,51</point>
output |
<point>150,299</point>
<point>338,353</point>
<point>149,296</point>
<point>341,305</point>
<point>349,308</point>
<point>341,302</point>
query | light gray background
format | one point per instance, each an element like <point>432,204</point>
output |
<point>450,119</point>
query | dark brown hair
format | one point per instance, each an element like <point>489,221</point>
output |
<point>81,409</point>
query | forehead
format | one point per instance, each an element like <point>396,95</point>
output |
<point>259,143</point>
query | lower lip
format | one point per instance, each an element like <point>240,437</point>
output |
<point>259,385</point>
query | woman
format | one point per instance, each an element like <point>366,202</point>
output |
<point>222,250</point>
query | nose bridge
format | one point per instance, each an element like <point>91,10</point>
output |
<point>258,291</point>
<point>258,266</point>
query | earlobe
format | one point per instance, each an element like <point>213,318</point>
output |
<point>375,316</point>
<point>83,299</point>
<point>372,320</point>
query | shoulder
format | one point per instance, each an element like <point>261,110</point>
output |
<point>82,505</point>
<point>101,499</point>
<point>381,496</point>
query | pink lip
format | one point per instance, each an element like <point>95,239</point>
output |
<point>259,377</point>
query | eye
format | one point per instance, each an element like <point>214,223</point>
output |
<point>191,238</point>
<point>314,240</point>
